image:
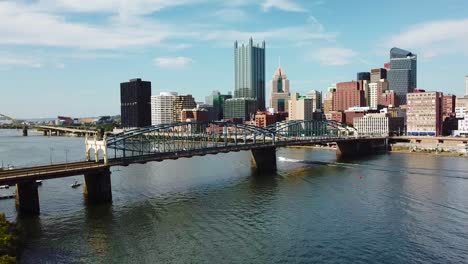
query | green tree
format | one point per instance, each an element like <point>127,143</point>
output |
<point>8,241</point>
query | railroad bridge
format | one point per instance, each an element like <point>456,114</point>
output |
<point>184,140</point>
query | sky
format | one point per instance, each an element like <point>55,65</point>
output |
<point>68,57</point>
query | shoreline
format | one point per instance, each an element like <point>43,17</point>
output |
<point>444,153</point>
<point>400,151</point>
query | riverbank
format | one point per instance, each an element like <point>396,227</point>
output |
<point>433,149</point>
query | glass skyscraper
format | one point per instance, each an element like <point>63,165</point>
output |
<point>402,76</point>
<point>249,67</point>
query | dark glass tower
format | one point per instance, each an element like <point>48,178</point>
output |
<point>135,103</point>
<point>363,76</point>
<point>249,70</point>
<point>402,76</point>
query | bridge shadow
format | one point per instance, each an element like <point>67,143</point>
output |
<point>357,158</point>
<point>97,227</point>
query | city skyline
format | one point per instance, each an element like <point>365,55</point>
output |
<point>70,71</point>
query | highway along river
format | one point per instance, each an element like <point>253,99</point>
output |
<point>392,208</point>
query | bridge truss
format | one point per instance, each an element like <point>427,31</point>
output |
<point>215,136</point>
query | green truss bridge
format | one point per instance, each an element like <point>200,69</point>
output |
<point>184,140</point>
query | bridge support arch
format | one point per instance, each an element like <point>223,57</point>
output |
<point>264,158</point>
<point>27,198</point>
<point>97,187</point>
<point>96,145</point>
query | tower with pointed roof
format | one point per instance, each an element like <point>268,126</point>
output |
<point>279,94</point>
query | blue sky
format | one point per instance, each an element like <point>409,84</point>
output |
<point>67,57</point>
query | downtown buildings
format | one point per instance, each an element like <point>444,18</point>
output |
<point>167,107</point>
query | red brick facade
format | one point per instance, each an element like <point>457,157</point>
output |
<point>348,94</point>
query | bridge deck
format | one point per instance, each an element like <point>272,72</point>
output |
<point>65,129</point>
<point>79,168</point>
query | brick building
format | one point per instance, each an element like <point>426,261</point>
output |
<point>424,113</point>
<point>348,94</point>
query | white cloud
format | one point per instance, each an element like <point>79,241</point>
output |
<point>335,56</point>
<point>295,35</point>
<point>173,62</point>
<point>434,38</point>
<point>120,7</point>
<point>25,26</point>
<point>8,61</point>
<point>285,5</point>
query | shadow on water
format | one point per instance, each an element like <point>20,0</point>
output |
<point>98,222</point>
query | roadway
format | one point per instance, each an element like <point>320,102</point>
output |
<point>64,129</point>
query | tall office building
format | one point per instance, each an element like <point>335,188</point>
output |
<point>182,102</point>
<point>300,108</point>
<point>378,74</point>
<point>216,100</point>
<point>316,98</point>
<point>162,107</point>
<point>249,69</point>
<point>361,76</point>
<point>218,105</point>
<point>375,90</point>
<point>135,103</point>
<point>402,76</point>
<point>240,108</point>
<point>279,95</point>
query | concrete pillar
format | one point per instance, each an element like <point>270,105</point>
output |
<point>97,187</point>
<point>27,198</point>
<point>25,131</point>
<point>361,147</point>
<point>265,159</point>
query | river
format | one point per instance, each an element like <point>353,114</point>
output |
<point>390,208</point>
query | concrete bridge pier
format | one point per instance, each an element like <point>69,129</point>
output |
<point>264,159</point>
<point>97,187</point>
<point>361,147</point>
<point>27,198</point>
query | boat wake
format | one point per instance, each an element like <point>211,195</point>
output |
<point>291,160</point>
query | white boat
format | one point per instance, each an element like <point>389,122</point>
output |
<point>75,184</point>
<point>4,186</point>
<point>39,182</point>
<point>11,167</point>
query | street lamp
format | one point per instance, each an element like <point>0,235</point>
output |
<point>51,149</point>
<point>66,155</point>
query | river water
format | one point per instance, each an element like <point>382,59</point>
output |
<point>391,208</point>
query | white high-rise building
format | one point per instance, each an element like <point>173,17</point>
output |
<point>162,107</point>
<point>300,108</point>
<point>316,97</point>
<point>374,95</point>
